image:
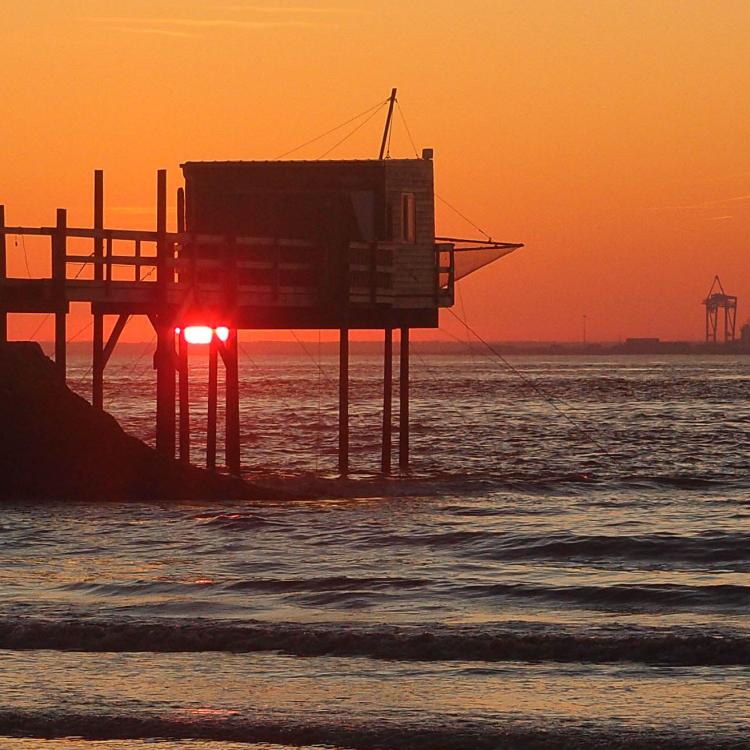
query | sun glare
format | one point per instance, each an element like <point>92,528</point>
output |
<point>203,334</point>
<point>198,334</point>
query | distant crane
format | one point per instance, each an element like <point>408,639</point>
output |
<point>716,300</point>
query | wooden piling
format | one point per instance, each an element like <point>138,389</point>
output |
<point>165,388</point>
<point>403,427</point>
<point>232,382</point>
<point>3,276</point>
<point>183,364</point>
<point>97,365</point>
<point>385,461</point>
<point>165,359</point>
<point>343,401</point>
<point>213,383</point>
<point>58,281</point>
<point>184,396</point>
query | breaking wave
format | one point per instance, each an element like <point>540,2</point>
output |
<point>438,733</point>
<point>519,642</point>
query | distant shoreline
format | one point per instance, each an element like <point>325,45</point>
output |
<point>452,348</point>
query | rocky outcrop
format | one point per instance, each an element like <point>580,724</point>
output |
<point>55,446</point>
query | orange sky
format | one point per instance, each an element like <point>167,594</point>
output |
<point>613,138</point>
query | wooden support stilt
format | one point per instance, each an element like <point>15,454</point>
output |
<point>344,401</point>
<point>230,355</point>
<point>183,366</point>
<point>97,365</point>
<point>3,275</point>
<point>165,350</point>
<point>184,397</point>
<point>58,281</point>
<point>403,427</point>
<point>213,384</point>
<point>385,461</point>
<point>165,389</point>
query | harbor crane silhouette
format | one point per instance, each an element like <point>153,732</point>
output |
<point>716,300</point>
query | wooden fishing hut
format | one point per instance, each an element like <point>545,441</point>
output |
<point>341,245</point>
<point>338,245</point>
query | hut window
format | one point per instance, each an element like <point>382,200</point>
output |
<point>408,217</point>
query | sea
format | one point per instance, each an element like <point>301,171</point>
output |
<point>567,565</point>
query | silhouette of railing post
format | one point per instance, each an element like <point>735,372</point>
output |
<point>97,366</point>
<point>59,249</point>
<point>3,276</point>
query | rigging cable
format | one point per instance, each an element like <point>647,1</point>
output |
<point>463,216</point>
<point>437,195</point>
<point>76,335</point>
<point>332,130</point>
<point>469,344</point>
<point>424,363</point>
<point>530,382</point>
<point>309,354</point>
<point>128,367</point>
<point>352,132</point>
<point>39,327</point>
<point>25,254</point>
<point>78,273</point>
<point>408,132</point>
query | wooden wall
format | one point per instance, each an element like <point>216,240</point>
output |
<point>414,265</point>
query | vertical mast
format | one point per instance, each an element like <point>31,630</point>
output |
<point>388,119</point>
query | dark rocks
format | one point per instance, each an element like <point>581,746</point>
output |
<point>55,446</point>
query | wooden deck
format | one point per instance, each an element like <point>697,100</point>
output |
<point>170,275</point>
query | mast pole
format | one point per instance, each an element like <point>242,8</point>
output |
<point>388,119</point>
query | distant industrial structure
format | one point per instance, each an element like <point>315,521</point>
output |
<point>717,300</point>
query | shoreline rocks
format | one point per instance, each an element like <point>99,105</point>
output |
<point>55,446</point>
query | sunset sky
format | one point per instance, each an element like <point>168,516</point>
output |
<point>613,138</point>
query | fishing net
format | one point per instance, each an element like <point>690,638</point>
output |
<point>470,259</point>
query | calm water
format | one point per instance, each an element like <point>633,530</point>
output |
<point>523,589</point>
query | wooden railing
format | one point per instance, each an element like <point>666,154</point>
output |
<point>446,274</point>
<point>232,267</point>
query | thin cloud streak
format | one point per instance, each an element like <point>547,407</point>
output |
<point>704,204</point>
<point>146,30</point>
<point>296,9</point>
<point>201,23</point>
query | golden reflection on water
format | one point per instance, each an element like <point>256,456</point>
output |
<point>221,686</point>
